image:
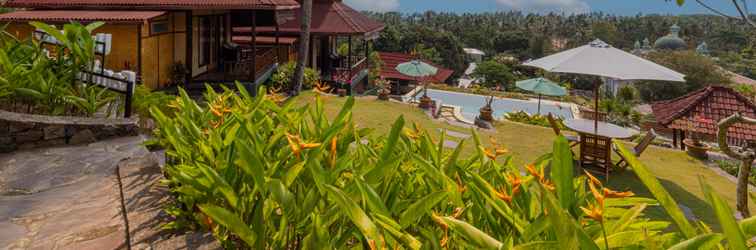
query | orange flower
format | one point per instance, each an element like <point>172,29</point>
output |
<point>608,193</point>
<point>489,154</point>
<point>412,135</point>
<point>439,221</point>
<point>592,178</point>
<point>515,181</point>
<point>596,194</point>
<point>548,185</point>
<point>296,144</point>
<point>501,151</point>
<point>531,169</point>
<point>504,196</point>
<point>594,212</point>
<point>309,145</point>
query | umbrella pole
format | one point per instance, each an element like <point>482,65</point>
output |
<point>596,108</point>
<point>539,104</point>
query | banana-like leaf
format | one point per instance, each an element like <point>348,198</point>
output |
<point>537,245</point>
<point>704,241</point>
<point>562,172</point>
<point>628,218</point>
<point>231,221</point>
<point>735,237</point>
<point>390,226</point>
<point>659,192</point>
<point>748,226</point>
<point>381,167</point>
<point>421,207</point>
<point>355,213</point>
<point>568,233</point>
<point>471,233</point>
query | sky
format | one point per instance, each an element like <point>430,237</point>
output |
<point>616,7</point>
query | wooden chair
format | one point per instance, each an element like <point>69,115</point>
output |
<point>638,149</point>
<point>573,140</point>
<point>595,152</point>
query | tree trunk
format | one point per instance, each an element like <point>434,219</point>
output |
<point>304,47</point>
<point>742,188</point>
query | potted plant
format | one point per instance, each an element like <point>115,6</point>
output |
<point>695,147</point>
<point>178,73</point>
<point>486,112</point>
<point>384,89</point>
<point>425,101</point>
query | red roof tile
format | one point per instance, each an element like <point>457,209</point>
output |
<point>81,16</point>
<point>391,60</point>
<point>700,112</point>
<point>328,18</point>
<point>155,4</point>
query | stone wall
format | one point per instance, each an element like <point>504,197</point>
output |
<point>24,131</point>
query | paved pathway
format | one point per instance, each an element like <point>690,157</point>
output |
<point>69,198</point>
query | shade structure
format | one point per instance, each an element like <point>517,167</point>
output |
<point>601,59</point>
<point>542,86</point>
<point>417,69</point>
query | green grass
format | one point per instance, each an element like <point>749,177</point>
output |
<point>676,170</point>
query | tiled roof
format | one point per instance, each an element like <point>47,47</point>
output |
<point>328,18</point>
<point>154,4</point>
<point>81,16</point>
<point>391,60</point>
<point>700,112</point>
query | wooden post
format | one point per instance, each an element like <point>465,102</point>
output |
<point>746,155</point>
<point>128,99</point>
<point>349,55</point>
<point>253,69</point>
<point>674,138</point>
<point>278,50</point>
<point>596,108</point>
<point>189,47</point>
<point>367,62</point>
<point>682,139</point>
<point>139,49</point>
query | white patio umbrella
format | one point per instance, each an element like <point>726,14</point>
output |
<point>601,59</point>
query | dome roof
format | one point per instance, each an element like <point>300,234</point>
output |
<point>671,41</point>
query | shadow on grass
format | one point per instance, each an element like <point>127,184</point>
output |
<point>627,180</point>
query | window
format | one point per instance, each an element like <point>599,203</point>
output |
<point>159,27</point>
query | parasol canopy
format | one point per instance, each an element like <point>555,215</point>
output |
<point>416,68</point>
<point>542,86</point>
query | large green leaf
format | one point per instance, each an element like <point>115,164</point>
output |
<point>231,221</point>
<point>659,192</point>
<point>422,206</point>
<point>735,237</point>
<point>562,172</point>
<point>471,233</point>
<point>704,241</point>
<point>381,167</point>
<point>355,213</point>
<point>568,233</point>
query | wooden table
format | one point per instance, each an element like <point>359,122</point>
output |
<point>595,142</point>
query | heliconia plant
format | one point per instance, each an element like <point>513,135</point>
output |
<point>264,175</point>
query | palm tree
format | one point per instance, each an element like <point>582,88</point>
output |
<point>304,47</point>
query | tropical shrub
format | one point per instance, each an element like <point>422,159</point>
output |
<point>145,98</point>
<point>263,176</point>
<point>37,79</point>
<point>536,119</point>
<point>732,168</point>
<point>282,78</point>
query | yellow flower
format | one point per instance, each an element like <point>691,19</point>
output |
<point>458,212</point>
<point>461,187</point>
<point>411,134</point>
<point>548,185</point>
<point>294,144</point>
<point>608,193</point>
<point>594,212</point>
<point>489,154</point>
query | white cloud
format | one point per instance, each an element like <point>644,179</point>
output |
<point>374,5</point>
<point>542,6</point>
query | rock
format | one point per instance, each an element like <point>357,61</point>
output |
<point>30,136</point>
<point>82,136</point>
<point>54,132</point>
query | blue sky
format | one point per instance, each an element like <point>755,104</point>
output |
<point>618,7</point>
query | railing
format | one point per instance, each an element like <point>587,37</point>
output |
<point>264,60</point>
<point>240,70</point>
<point>346,74</point>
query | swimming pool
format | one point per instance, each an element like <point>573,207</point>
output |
<point>471,103</point>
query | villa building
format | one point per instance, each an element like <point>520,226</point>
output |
<point>215,41</point>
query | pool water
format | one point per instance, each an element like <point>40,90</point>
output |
<point>471,104</point>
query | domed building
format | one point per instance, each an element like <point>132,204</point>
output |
<point>671,41</point>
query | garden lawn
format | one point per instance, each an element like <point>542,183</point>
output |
<point>676,170</point>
